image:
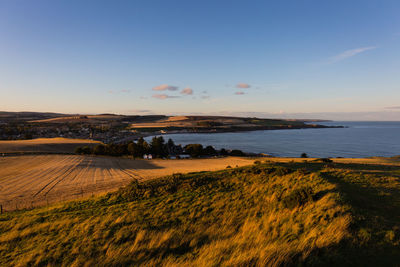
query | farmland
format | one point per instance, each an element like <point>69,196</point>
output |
<point>112,128</point>
<point>27,181</point>
<point>44,145</point>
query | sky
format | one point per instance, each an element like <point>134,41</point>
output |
<point>302,59</point>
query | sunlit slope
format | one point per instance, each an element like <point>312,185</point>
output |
<point>261,215</point>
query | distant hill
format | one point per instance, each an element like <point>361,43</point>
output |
<point>26,116</point>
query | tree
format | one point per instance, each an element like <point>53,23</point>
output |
<point>142,146</point>
<point>223,152</point>
<point>132,149</point>
<point>170,143</point>
<point>237,153</point>
<point>194,150</point>
<point>158,147</point>
<point>171,146</point>
<point>210,151</point>
<point>304,155</point>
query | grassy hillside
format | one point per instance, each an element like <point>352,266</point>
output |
<point>265,214</point>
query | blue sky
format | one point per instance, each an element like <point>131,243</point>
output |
<point>270,58</point>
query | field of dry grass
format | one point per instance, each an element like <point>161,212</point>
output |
<point>44,145</point>
<point>27,181</point>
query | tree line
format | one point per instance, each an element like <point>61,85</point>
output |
<point>158,148</point>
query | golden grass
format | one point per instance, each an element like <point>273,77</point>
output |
<point>255,215</point>
<point>228,218</point>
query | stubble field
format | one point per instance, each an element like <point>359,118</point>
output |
<point>29,181</point>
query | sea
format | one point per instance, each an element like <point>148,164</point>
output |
<point>357,139</point>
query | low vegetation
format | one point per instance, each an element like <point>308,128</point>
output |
<point>158,148</point>
<point>267,214</point>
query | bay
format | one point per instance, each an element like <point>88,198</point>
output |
<point>358,139</point>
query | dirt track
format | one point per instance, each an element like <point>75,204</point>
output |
<point>27,181</point>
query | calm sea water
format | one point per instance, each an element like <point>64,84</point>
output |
<point>360,139</point>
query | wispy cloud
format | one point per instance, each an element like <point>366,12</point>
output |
<point>164,87</point>
<point>393,107</point>
<point>164,96</point>
<point>243,85</point>
<point>187,91</point>
<point>239,93</point>
<point>350,53</point>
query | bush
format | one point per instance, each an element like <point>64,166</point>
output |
<point>99,150</point>
<point>298,197</point>
<point>281,171</point>
<point>303,155</point>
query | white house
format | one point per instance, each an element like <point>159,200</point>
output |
<point>149,156</point>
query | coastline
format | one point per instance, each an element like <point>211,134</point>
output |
<point>165,131</point>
